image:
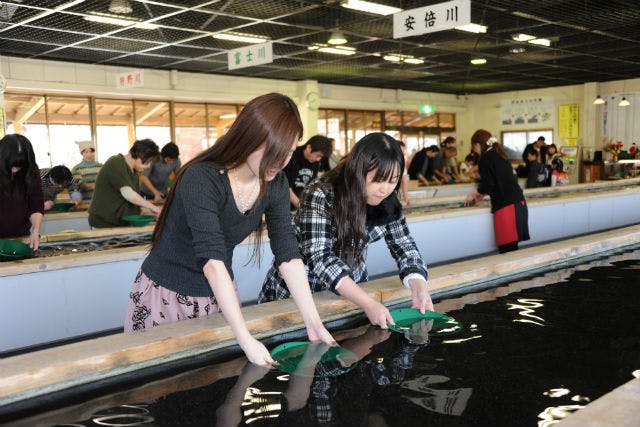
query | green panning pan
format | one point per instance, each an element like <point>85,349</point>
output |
<point>309,359</point>
<point>410,320</point>
<point>14,249</point>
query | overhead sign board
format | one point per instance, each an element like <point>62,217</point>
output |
<point>429,19</point>
<point>249,56</point>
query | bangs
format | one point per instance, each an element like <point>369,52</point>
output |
<point>386,169</point>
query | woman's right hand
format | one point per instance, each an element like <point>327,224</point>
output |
<point>378,314</point>
<point>34,240</point>
<point>155,210</point>
<point>256,352</point>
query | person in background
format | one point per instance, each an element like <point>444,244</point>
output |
<point>21,199</point>
<point>508,205</point>
<point>218,199</point>
<point>304,165</point>
<point>469,168</point>
<point>55,180</point>
<point>340,214</point>
<point>551,153</point>
<point>452,163</point>
<point>426,174</point>
<point>540,147</point>
<point>558,175</point>
<point>443,166</point>
<point>538,172</point>
<point>157,178</point>
<point>86,172</point>
<point>117,187</point>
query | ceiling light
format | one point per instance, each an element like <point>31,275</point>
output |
<point>598,100</point>
<point>522,37</point>
<point>472,28</point>
<point>478,61</point>
<point>336,50</point>
<point>337,38</point>
<point>120,6</point>
<point>227,116</point>
<point>623,102</point>
<point>398,57</point>
<point>367,6</point>
<point>517,50</point>
<point>103,19</point>
<point>241,37</point>
<point>541,42</point>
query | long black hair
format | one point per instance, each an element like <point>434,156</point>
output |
<point>375,151</point>
<point>16,150</point>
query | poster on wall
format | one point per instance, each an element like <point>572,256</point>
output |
<point>568,123</point>
<point>527,112</point>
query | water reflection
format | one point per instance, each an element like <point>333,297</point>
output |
<point>527,307</point>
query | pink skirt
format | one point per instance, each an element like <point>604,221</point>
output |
<point>151,305</point>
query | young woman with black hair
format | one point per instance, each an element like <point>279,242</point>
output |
<point>353,205</point>
<point>216,201</point>
<point>21,199</point>
<point>498,180</point>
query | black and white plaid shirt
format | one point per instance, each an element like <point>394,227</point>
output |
<point>316,230</point>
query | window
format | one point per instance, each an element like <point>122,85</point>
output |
<point>191,129</point>
<point>114,127</point>
<point>514,142</point>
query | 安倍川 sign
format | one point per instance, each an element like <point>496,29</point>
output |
<point>429,19</point>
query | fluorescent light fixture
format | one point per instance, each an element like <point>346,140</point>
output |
<point>102,19</point>
<point>241,37</point>
<point>517,50</point>
<point>367,6</point>
<point>522,37</point>
<point>337,38</point>
<point>227,116</point>
<point>598,100</point>
<point>473,28</point>
<point>398,57</point>
<point>120,6</point>
<point>478,61</point>
<point>336,50</point>
<point>541,42</point>
<point>623,102</point>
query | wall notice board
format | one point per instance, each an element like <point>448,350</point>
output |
<point>568,122</point>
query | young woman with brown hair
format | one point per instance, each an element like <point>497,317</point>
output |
<point>216,201</point>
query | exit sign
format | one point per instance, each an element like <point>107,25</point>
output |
<point>426,109</point>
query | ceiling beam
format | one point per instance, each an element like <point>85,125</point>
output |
<point>27,110</point>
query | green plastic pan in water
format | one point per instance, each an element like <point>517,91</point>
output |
<point>313,359</point>
<point>14,250</point>
<point>411,320</point>
<point>138,220</point>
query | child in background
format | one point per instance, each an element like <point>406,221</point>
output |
<point>558,176</point>
<point>469,168</point>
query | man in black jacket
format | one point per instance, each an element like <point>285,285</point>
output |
<point>305,164</point>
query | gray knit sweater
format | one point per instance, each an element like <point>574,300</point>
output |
<point>204,223</point>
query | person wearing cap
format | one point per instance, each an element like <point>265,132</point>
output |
<point>156,180</point>
<point>86,172</point>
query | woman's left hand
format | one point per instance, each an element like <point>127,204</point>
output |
<point>34,240</point>
<point>420,297</point>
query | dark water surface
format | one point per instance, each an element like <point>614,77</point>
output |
<point>531,352</point>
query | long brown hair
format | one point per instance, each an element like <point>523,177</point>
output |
<point>377,151</point>
<point>272,119</point>
<point>481,137</point>
<point>16,150</point>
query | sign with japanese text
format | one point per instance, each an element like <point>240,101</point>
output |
<point>568,121</point>
<point>248,56</point>
<point>133,78</point>
<point>534,111</point>
<point>429,19</point>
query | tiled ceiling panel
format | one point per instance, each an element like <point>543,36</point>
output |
<point>590,40</point>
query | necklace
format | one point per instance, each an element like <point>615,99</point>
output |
<point>244,205</point>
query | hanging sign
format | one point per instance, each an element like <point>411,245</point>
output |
<point>568,116</point>
<point>248,56</point>
<point>429,19</point>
